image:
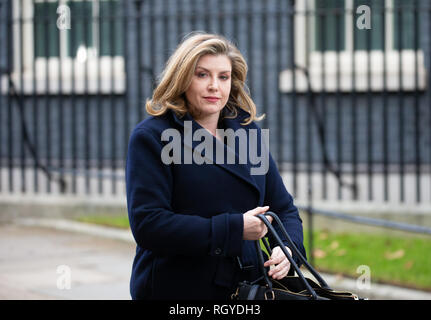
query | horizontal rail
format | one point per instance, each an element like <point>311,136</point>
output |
<point>369,221</point>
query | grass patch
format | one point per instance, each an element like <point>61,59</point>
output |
<point>120,221</point>
<point>392,259</point>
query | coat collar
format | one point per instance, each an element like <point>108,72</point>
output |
<point>238,169</point>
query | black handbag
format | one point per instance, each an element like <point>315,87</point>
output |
<point>290,287</point>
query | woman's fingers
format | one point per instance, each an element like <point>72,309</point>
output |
<point>258,210</point>
<point>263,228</point>
<point>262,210</point>
<point>269,219</point>
<point>280,271</point>
<point>254,228</point>
<point>281,263</point>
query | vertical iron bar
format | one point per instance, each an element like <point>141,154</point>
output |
<point>194,13</point>
<point>207,16</point>
<point>339,125</point>
<point>310,228</point>
<point>153,40</point>
<point>385,110</point>
<point>61,142</point>
<point>176,17</point>
<point>125,44</point>
<point>85,20</point>
<point>165,26</point>
<point>309,165</point>
<point>21,92</point>
<point>221,21</point>
<point>73,102</point>
<point>416,103</point>
<point>370,162</point>
<point>112,40</point>
<point>236,19</point>
<point>321,16</point>
<point>179,19</point>
<point>400,102</point>
<point>221,17</point>
<point>294,105</point>
<point>9,116</point>
<point>309,141</point>
<point>354,111</point>
<point>140,64</point>
<point>100,112</point>
<point>279,109</point>
<point>250,47</point>
<point>47,94</point>
<point>309,182</point>
<point>264,52</point>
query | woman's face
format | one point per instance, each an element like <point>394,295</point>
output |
<point>209,90</point>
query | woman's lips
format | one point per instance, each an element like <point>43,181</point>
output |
<point>212,99</point>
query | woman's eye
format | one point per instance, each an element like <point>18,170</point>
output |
<point>224,77</point>
<point>201,74</point>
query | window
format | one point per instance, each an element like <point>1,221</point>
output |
<point>91,22</point>
<point>340,56</point>
<point>87,58</point>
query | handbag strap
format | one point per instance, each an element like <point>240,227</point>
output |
<point>286,253</point>
<point>253,292</point>
<point>294,249</point>
<point>267,246</point>
<point>262,268</point>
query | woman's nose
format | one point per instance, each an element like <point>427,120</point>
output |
<point>213,85</point>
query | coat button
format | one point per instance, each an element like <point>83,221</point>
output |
<point>217,251</point>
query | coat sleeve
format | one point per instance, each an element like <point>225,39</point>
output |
<point>281,202</point>
<point>153,223</point>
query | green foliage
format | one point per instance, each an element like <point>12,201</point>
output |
<point>392,259</point>
<point>116,221</point>
<point>395,259</point>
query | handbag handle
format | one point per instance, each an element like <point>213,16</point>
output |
<point>292,246</point>
<point>286,253</point>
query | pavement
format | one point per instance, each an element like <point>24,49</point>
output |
<point>45,262</point>
<point>58,259</point>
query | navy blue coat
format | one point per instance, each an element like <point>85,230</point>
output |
<point>187,219</point>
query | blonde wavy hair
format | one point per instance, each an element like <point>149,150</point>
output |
<point>177,76</point>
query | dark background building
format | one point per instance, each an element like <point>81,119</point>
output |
<point>352,123</point>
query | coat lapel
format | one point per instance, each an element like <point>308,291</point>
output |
<point>241,169</point>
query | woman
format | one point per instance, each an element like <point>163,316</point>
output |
<point>191,211</point>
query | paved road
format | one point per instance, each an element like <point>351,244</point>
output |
<point>30,257</point>
<point>99,260</point>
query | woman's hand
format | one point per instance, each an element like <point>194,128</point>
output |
<point>254,228</point>
<point>279,260</point>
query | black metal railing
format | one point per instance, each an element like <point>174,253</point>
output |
<point>312,213</point>
<point>344,105</point>
<point>361,96</point>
